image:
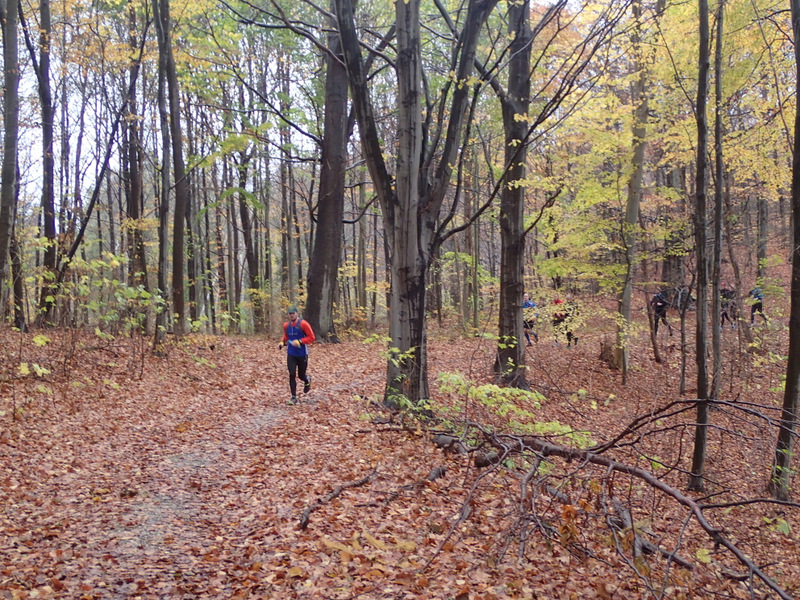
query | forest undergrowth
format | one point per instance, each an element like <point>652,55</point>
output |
<point>125,475</point>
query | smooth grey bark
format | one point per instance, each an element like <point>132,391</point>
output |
<point>475,299</point>
<point>631,224</point>
<point>191,254</point>
<point>696,479</point>
<point>8,16</point>
<point>264,191</point>
<point>164,30</point>
<point>289,249</point>
<point>46,301</point>
<point>208,265</point>
<point>164,183</point>
<point>363,234</point>
<point>17,273</point>
<point>780,477</point>
<point>234,270</point>
<point>249,246</point>
<point>20,322</point>
<point>719,168</point>
<point>515,104</point>
<point>221,250</point>
<point>411,235</point>
<point>41,67</point>
<point>181,182</point>
<point>134,188</point>
<point>193,236</point>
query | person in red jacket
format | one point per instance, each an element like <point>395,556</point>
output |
<point>297,335</point>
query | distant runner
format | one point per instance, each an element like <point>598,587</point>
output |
<point>297,335</point>
<point>758,305</point>
<point>529,317</point>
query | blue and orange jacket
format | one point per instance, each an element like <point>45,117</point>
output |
<point>301,330</point>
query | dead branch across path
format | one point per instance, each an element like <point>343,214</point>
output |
<point>545,448</point>
<point>335,493</point>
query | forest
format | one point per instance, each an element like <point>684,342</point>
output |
<point>176,175</point>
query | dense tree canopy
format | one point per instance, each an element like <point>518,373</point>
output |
<point>252,105</point>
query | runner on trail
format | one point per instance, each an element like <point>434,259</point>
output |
<point>571,311</point>
<point>529,318</point>
<point>660,305</point>
<point>297,335</point>
<point>758,305</point>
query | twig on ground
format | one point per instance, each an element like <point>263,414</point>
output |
<point>304,518</point>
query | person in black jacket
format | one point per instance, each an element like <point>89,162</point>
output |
<point>660,306</point>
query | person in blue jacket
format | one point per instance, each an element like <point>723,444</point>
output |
<point>529,316</point>
<point>758,305</point>
<point>297,335</point>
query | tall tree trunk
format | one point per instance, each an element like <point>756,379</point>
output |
<point>191,261</point>
<point>42,69</point>
<point>116,271</point>
<point>164,29</point>
<point>716,324</point>
<point>362,252</point>
<point>264,191</point>
<point>8,16</point>
<point>20,322</point>
<point>323,269</point>
<point>17,273</point>
<point>69,221</point>
<point>297,233</point>
<point>288,247</point>
<point>249,248</point>
<point>780,478</point>
<point>164,182</point>
<point>515,103</point>
<point>407,374</point>
<point>133,160</point>
<point>222,252</point>
<point>475,299</point>
<point>436,300</point>
<point>208,265</point>
<point>234,271</point>
<point>640,108</point>
<point>46,302</point>
<point>374,299</point>
<point>696,481</point>
<point>181,182</point>
<point>193,253</point>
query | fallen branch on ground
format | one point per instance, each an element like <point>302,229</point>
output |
<point>545,448</point>
<point>334,494</point>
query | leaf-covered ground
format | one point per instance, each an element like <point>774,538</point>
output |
<point>124,475</point>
